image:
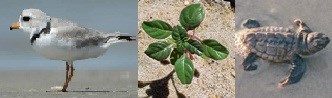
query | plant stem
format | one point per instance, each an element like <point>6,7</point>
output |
<point>194,32</point>
<point>192,36</point>
<point>171,45</point>
<point>170,40</point>
<point>191,57</point>
<point>195,37</point>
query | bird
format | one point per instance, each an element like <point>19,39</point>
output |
<point>59,39</point>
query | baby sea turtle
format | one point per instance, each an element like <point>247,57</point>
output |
<point>279,44</point>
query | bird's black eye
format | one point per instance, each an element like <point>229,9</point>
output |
<point>26,18</point>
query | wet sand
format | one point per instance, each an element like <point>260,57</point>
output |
<point>84,84</point>
<point>316,83</point>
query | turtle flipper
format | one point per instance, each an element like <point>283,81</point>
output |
<point>248,63</point>
<point>250,23</point>
<point>302,26</point>
<point>299,67</point>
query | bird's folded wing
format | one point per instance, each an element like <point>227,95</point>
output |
<point>81,36</point>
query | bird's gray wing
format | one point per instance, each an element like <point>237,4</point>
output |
<point>57,22</point>
<point>81,37</point>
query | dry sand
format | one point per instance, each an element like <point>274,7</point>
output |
<point>35,83</point>
<point>216,78</point>
<point>316,83</point>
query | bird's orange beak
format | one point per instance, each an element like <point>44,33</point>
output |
<point>15,25</point>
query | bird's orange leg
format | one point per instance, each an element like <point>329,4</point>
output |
<point>71,73</point>
<point>65,85</point>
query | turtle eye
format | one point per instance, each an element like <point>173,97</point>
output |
<point>26,18</point>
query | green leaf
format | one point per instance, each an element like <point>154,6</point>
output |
<point>184,69</point>
<point>191,16</point>
<point>158,50</point>
<point>175,55</point>
<point>181,47</point>
<point>179,33</point>
<point>157,29</point>
<point>194,47</point>
<point>214,50</point>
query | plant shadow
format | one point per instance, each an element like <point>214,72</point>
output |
<point>159,88</point>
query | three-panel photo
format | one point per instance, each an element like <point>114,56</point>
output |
<point>165,49</point>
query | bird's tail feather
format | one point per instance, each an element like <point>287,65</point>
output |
<point>116,38</point>
<point>120,38</point>
<point>126,38</point>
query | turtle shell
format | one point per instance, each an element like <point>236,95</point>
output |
<point>270,43</point>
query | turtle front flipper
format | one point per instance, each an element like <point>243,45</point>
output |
<point>250,23</point>
<point>302,26</point>
<point>299,67</point>
<point>248,63</point>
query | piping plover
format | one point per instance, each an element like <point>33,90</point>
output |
<point>58,39</point>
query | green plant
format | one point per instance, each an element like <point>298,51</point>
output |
<point>181,45</point>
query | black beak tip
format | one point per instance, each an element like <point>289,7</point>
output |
<point>10,28</point>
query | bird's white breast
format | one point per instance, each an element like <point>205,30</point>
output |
<point>56,48</point>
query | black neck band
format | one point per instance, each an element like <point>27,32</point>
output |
<point>45,30</point>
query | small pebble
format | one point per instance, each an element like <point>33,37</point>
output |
<point>218,1</point>
<point>196,1</point>
<point>186,2</point>
<point>55,88</point>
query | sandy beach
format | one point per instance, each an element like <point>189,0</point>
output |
<point>316,83</point>
<point>85,84</point>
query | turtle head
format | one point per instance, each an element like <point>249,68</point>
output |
<point>315,42</point>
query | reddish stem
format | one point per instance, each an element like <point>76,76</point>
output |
<point>192,36</point>
<point>191,57</point>
<point>195,37</point>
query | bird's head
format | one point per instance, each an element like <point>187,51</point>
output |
<point>31,21</point>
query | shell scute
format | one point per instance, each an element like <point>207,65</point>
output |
<point>271,43</point>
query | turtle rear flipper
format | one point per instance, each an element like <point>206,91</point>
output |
<point>248,63</point>
<point>299,67</point>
